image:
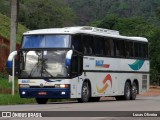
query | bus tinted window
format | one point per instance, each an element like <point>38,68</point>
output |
<point>146,49</point>
<point>99,45</point>
<point>88,44</point>
<point>136,49</point>
<point>77,43</point>
<point>129,49</point>
<point>119,48</point>
<point>105,46</point>
<point>45,41</point>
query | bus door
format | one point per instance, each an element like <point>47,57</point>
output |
<point>76,73</point>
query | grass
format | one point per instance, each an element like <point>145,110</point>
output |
<point>5,28</point>
<point>6,97</point>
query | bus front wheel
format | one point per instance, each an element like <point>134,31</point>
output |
<point>41,100</point>
<point>85,94</point>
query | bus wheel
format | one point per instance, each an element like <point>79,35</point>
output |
<point>41,100</point>
<point>85,93</point>
<point>134,91</point>
<point>127,91</point>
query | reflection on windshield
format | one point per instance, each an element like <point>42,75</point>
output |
<point>44,64</point>
<point>45,41</point>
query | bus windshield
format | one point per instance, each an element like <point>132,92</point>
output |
<point>45,41</point>
<point>43,63</point>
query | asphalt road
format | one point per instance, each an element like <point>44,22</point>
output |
<point>144,104</point>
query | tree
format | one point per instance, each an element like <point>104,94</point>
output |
<point>45,14</point>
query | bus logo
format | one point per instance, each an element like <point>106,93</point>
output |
<point>136,65</point>
<point>100,63</point>
<point>107,78</point>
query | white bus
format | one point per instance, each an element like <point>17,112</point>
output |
<point>81,62</point>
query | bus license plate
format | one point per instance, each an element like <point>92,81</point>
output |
<point>42,93</point>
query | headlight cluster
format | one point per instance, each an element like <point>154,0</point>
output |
<point>61,85</point>
<point>24,86</point>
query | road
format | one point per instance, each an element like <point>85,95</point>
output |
<point>140,104</point>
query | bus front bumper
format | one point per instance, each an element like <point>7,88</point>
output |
<point>44,92</point>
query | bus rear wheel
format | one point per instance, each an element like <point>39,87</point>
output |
<point>127,91</point>
<point>134,90</point>
<point>41,100</point>
<point>85,96</point>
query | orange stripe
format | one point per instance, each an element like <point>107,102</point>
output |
<point>103,89</point>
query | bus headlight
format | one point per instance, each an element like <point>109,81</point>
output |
<point>24,86</point>
<point>61,85</point>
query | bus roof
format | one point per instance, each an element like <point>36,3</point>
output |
<point>85,30</point>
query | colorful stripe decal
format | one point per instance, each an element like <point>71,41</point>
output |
<point>136,65</point>
<point>103,89</point>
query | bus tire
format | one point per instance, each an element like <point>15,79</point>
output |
<point>127,91</point>
<point>134,90</point>
<point>41,100</point>
<point>85,94</point>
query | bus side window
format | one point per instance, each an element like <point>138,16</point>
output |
<point>140,50</point>
<point>112,47</point>
<point>146,49</point>
<point>107,46</point>
<point>99,46</point>
<point>122,48</point>
<point>88,45</point>
<point>116,47</point>
<point>136,50</point>
<point>129,49</point>
<point>77,43</point>
<point>74,69</point>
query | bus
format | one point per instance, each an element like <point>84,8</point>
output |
<point>81,62</point>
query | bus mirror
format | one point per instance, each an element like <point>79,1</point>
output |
<point>9,65</point>
<point>68,57</point>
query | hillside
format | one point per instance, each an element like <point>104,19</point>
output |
<point>5,28</point>
<point>97,9</point>
<point>37,14</point>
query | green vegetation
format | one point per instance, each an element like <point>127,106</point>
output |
<point>6,97</point>
<point>38,14</point>
<point>5,28</point>
<point>45,14</point>
<point>90,10</point>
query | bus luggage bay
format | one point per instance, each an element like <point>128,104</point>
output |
<point>81,62</point>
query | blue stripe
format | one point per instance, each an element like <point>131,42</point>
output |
<point>9,64</point>
<point>48,80</point>
<point>68,62</point>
